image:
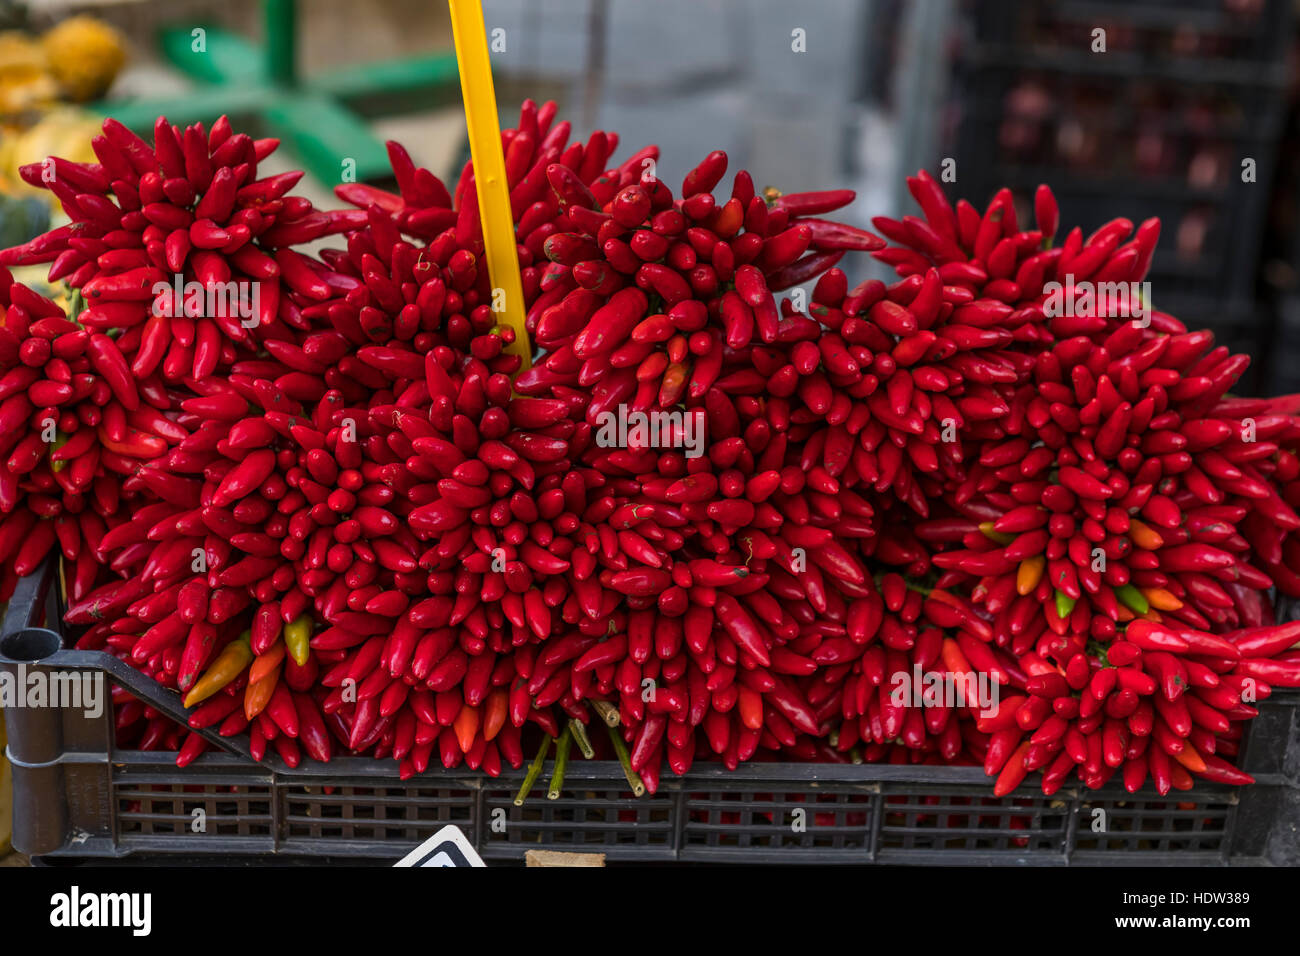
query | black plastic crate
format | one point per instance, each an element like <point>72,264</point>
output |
<point>1199,41</point>
<point>78,798</point>
<point>1158,125</point>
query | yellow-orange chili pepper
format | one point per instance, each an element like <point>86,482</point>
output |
<point>230,663</point>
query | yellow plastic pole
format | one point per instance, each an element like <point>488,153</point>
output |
<point>489,168</point>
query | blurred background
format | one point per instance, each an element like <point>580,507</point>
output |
<point>1182,109</point>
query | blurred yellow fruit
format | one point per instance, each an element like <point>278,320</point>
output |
<point>65,132</point>
<point>24,83</point>
<point>85,55</point>
<point>21,57</point>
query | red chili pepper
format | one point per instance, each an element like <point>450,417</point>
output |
<point>1014,771</point>
<point>1267,641</point>
<point>1152,637</point>
<point>1276,673</point>
<point>814,203</point>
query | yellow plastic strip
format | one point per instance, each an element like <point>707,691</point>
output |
<point>489,168</point>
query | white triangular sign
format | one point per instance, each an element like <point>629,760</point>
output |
<point>447,847</point>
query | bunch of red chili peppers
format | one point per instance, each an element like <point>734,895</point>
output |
<point>336,516</point>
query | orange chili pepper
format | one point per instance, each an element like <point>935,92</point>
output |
<point>1029,574</point>
<point>257,696</point>
<point>266,664</point>
<point>1190,759</point>
<point>953,658</point>
<point>466,726</point>
<point>1144,536</point>
<point>495,711</point>
<point>1161,599</point>
<point>728,220</point>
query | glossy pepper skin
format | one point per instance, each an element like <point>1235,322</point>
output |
<point>431,552</point>
<point>228,665</point>
<point>297,638</point>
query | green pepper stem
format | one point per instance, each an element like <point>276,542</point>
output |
<point>608,712</point>
<point>633,778</point>
<point>534,770</point>
<point>561,763</point>
<point>581,739</point>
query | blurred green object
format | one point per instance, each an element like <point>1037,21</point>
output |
<point>21,219</point>
<point>320,120</point>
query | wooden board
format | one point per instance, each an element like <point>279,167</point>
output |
<point>557,858</point>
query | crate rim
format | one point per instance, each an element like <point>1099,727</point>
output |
<point>789,785</point>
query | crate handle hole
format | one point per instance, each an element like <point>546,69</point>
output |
<point>31,644</point>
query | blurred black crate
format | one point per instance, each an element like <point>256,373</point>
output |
<point>1158,125</point>
<point>1206,41</point>
<point>1283,359</point>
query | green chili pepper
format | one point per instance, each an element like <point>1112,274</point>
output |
<point>1064,605</point>
<point>1132,599</point>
